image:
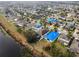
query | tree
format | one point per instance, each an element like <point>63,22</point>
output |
<point>19,29</point>
<point>32,36</point>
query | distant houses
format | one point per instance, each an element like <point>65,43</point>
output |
<point>51,32</point>
<point>70,25</point>
<point>76,34</point>
<point>63,39</point>
<point>45,33</point>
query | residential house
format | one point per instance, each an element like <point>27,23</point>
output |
<point>63,39</point>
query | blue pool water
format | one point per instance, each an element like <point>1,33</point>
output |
<point>52,20</point>
<point>51,36</point>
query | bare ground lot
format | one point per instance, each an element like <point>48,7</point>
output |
<point>41,44</point>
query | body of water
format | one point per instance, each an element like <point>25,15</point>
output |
<point>8,47</point>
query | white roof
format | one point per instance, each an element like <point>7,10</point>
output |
<point>15,19</point>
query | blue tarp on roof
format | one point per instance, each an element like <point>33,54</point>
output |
<point>51,36</point>
<point>52,20</point>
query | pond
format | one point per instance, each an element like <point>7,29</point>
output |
<point>8,47</point>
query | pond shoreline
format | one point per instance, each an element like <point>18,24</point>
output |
<point>8,46</point>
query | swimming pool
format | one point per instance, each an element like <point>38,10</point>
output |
<point>52,20</point>
<point>51,36</point>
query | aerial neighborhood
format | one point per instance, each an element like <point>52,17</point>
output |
<point>49,26</point>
